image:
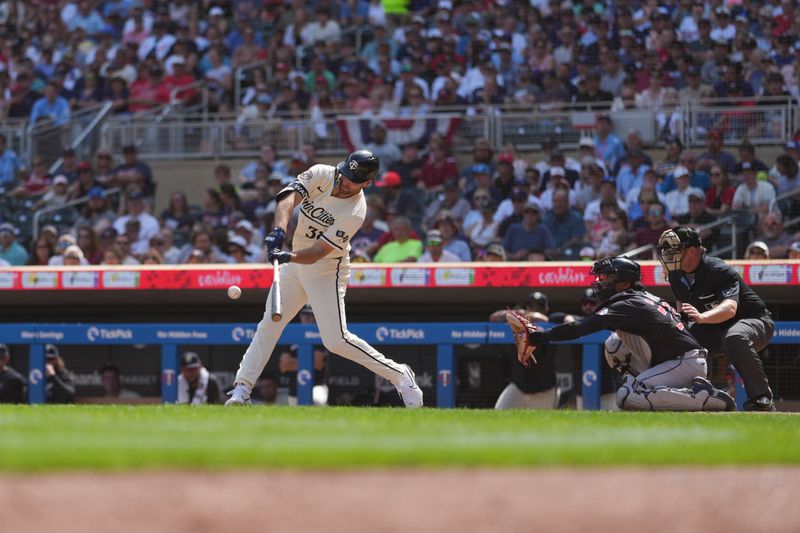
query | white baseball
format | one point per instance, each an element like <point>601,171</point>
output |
<point>234,292</point>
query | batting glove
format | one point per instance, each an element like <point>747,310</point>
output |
<point>275,239</point>
<point>277,255</point>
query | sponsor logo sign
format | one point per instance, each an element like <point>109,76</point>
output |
<point>239,333</point>
<point>454,277</point>
<point>220,278</point>
<point>564,276</point>
<point>120,279</point>
<point>367,277</point>
<point>469,334</point>
<point>7,280</point>
<point>770,274</point>
<point>80,280</point>
<point>35,376</point>
<point>41,335</point>
<point>444,377</point>
<point>39,280</point>
<point>94,334</point>
<point>589,378</point>
<point>304,377</point>
<point>409,277</point>
<point>384,333</point>
<point>181,334</point>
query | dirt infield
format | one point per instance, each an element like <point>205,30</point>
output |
<point>550,500</point>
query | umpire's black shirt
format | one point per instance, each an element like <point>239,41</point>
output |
<point>12,386</point>
<point>714,281</point>
<point>638,312</point>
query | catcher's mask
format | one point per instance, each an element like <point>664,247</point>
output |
<point>616,270</point>
<point>673,242</point>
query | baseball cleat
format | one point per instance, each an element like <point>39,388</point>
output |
<point>239,396</point>
<point>408,389</point>
<point>762,403</point>
<point>701,384</point>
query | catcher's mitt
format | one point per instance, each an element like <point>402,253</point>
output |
<point>521,327</point>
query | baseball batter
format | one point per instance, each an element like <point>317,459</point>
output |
<point>332,209</point>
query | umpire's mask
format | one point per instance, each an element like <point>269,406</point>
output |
<point>673,242</point>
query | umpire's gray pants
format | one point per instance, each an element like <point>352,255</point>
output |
<point>741,343</point>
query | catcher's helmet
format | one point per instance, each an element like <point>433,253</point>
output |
<point>672,243</point>
<point>617,269</point>
<point>360,166</point>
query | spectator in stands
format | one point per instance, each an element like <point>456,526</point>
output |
<point>449,200</point>
<point>41,252</point>
<point>12,384</point>
<point>657,225</point>
<point>267,389</point>
<point>519,199</point>
<point>89,244</point>
<point>111,257</point>
<point>268,157</point>
<point>434,250</point>
<point>402,249</point>
<point>96,213</point>
<point>631,173</point>
<point>715,154</point>
<point>11,251</point>
<point>196,385</point>
<point>237,249</point>
<point>23,96</point>
<point>607,194</point>
<point>495,252</point>
<point>678,199</point>
<point>528,238</point>
<point>83,183</point>
<point>794,250</point>
<point>149,90</point>
<point>747,154</point>
<point>482,154</point>
<point>104,167</point>
<point>772,233</point>
<point>757,250</point>
<point>752,194</point>
<point>152,257</point>
<point>122,245</point>
<point>564,223</point>
<point>409,167</point>
<point>440,167</point>
<point>697,178</point>
<point>719,197</point>
<point>136,210</point>
<point>202,241</point>
<point>786,177</point>
<point>254,249</point>
<point>698,216</point>
<point>36,182</point>
<point>163,243</point>
<point>10,164</point>
<point>617,238</point>
<point>57,195</point>
<point>51,106</point>
<point>608,146</point>
<point>60,385</point>
<point>447,224</point>
<point>178,216</point>
<point>73,256</point>
<point>134,172</point>
<point>402,201</point>
<point>481,231</point>
<point>387,152</point>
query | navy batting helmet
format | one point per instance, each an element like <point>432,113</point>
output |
<point>360,166</point>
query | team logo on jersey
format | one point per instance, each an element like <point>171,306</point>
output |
<point>317,214</point>
<point>353,165</point>
<point>342,235</point>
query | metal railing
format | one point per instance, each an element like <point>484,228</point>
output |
<point>37,216</point>
<point>786,208</point>
<point>77,141</point>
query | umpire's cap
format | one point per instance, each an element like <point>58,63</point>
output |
<point>360,166</point>
<point>688,236</point>
<point>51,351</point>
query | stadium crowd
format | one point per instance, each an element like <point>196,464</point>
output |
<point>614,194</point>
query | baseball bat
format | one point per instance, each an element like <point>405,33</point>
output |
<point>275,305</point>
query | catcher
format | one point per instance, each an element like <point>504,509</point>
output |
<point>664,367</point>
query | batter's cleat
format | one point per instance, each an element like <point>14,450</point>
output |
<point>240,395</point>
<point>702,384</point>
<point>762,403</point>
<point>408,389</point>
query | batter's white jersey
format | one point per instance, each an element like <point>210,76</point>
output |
<point>322,284</point>
<point>323,216</point>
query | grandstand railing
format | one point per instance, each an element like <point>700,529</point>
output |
<point>89,134</point>
<point>222,135</point>
<point>17,138</point>
<point>41,213</point>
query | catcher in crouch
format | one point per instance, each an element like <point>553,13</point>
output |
<point>664,366</point>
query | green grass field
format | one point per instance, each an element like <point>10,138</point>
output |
<point>46,438</point>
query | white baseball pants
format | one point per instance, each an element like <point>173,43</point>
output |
<point>323,285</point>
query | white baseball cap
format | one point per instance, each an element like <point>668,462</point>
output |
<point>679,172</point>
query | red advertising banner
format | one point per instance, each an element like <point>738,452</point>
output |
<point>453,275</point>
